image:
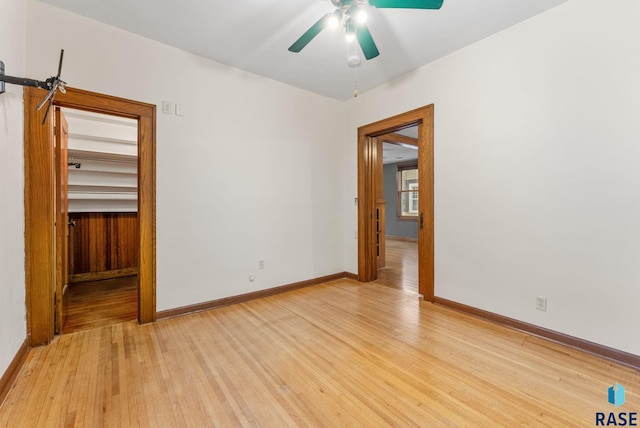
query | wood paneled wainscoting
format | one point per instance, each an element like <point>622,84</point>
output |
<point>102,246</point>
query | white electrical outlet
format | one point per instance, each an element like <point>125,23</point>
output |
<point>179,110</point>
<point>541,303</point>
<point>261,264</point>
<point>252,277</point>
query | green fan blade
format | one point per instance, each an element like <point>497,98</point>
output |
<point>407,4</point>
<point>310,34</point>
<point>367,44</point>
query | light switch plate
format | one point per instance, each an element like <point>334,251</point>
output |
<point>167,107</point>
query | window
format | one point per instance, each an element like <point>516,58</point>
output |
<point>408,192</point>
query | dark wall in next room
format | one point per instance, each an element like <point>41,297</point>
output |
<point>395,226</point>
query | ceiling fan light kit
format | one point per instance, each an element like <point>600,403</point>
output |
<point>350,30</point>
<point>354,60</point>
<point>354,19</point>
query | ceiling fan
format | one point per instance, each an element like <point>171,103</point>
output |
<point>353,17</point>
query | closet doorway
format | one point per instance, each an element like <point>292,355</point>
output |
<point>45,295</point>
<point>102,235</point>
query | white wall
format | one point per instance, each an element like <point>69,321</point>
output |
<point>537,160</point>
<point>537,190</point>
<point>12,303</point>
<point>252,171</point>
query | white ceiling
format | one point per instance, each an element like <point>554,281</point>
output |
<point>395,153</point>
<point>254,35</point>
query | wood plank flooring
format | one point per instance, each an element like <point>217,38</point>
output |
<point>101,303</point>
<point>401,270</point>
<point>338,354</point>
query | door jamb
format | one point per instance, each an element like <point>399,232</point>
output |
<point>61,181</point>
<point>39,203</point>
<point>367,161</point>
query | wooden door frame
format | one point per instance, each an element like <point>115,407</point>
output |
<point>39,176</point>
<point>368,158</point>
<point>61,134</point>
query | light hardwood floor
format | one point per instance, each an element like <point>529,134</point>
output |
<point>101,303</point>
<point>401,270</point>
<point>338,354</point>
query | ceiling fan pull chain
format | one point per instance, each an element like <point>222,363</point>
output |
<point>355,82</point>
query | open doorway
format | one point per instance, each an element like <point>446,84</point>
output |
<point>399,188</point>
<point>370,170</point>
<point>43,292</point>
<point>102,236</point>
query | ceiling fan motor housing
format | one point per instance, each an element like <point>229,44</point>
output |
<point>339,3</point>
<point>345,5</point>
